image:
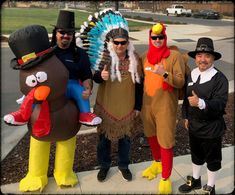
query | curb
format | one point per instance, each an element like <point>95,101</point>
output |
<point>86,131</point>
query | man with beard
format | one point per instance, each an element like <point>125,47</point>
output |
<point>77,62</point>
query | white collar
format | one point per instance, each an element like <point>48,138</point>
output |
<point>205,75</point>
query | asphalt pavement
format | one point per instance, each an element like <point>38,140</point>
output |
<point>185,37</point>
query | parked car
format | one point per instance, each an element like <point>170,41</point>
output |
<point>207,14</point>
<point>178,10</point>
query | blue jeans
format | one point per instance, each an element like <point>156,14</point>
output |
<point>104,152</point>
<point>74,91</point>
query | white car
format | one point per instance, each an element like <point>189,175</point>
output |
<point>178,10</point>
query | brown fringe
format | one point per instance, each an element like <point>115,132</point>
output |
<point>113,128</point>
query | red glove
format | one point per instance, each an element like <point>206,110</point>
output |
<point>166,86</point>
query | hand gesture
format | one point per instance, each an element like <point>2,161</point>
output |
<point>86,93</point>
<point>105,73</point>
<point>193,100</point>
<point>159,69</point>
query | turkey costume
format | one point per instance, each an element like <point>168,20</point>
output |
<point>77,63</point>
<point>160,102</point>
<point>51,116</point>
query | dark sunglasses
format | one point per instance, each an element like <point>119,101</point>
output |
<point>63,32</point>
<point>120,42</point>
<point>160,37</point>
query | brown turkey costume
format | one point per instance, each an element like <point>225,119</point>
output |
<point>160,102</point>
<point>51,116</point>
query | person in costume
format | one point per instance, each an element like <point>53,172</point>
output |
<point>117,106</point>
<point>77,62</point>
<point>164,72</point>
<point>50,115</point>
<point>203,109</point>
<point>118,72</point>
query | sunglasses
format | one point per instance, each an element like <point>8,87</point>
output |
<point>63,32</point>
<point>160,37</point>
<point>120,42</point>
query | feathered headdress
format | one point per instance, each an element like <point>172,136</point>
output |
<point>96,38</point>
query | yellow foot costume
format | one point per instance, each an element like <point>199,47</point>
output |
<point>64,157</point>
<point>165,187</point>
<point>33,183</point>
<point>152,171</point>
<point>36,178</point>
<point>66,179</point>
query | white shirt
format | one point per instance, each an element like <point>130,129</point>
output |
<point>205,76</point>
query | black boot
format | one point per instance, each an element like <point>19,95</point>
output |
<point>102,174</point>
<point>191,184</point>
<point>208,189</point>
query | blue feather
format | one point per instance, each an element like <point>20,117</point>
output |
<point>93,33</point>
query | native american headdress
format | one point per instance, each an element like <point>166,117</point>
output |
<point>96,38</point>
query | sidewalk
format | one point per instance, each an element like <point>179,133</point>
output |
<point>182,164</point>
<point>114,184</point>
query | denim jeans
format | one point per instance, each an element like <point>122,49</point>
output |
<point>104,152</point>
<point>74,91</point>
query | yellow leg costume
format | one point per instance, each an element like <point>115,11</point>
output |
<point>36,178</point>
<point>165,186</point>
<point>152,171</point>
<point>64,159</point>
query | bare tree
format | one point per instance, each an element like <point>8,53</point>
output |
<point>153,6</point>
<point>95,6</point>
<point>10,3</point>
<point>116,5</point>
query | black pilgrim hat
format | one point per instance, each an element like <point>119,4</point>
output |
<point>65,20</point>
<point>30,46</point>
<point>205,45</point>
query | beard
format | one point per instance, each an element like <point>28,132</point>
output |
<point>65,42</point>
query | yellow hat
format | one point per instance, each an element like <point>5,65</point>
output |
<point>157,28</point>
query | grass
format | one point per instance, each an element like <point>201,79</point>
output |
<point>15,18</point>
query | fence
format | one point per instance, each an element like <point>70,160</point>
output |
<point>225,8</point>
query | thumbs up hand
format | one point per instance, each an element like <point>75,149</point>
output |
<point>193,100</point>
<point>105,73</point>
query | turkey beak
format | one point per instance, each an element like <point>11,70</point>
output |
<point>41,93</point>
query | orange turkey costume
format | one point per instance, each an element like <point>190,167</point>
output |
<point>160,102</point>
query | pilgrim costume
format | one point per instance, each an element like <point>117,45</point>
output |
<point>50,116</point>
<point>206,122</point>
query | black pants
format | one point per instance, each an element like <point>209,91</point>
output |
<point>206,150</point>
